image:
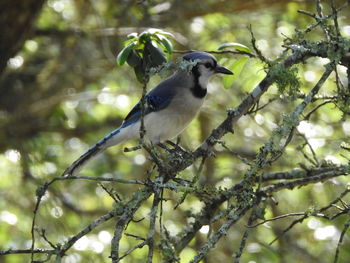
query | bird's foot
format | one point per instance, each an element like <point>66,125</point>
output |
<point>132,149</point>
<point>163,146</point>
<point>177,149</point>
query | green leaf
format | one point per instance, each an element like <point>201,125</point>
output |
<point>140,73</point>
<point>236,68</point>
<point>153,55</point>
<point>134,59</point>
<point>156,31</point>
<point>124,54</point>
<point>166,34</point>
<point>128,41</point>
<point>131,35</point>
<point>144,37</point>
<point>165,43</point>
<point>233,45</point>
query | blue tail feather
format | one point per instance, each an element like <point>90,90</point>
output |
<point>94,150</point>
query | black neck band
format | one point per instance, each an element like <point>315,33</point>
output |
<point>197,90</point>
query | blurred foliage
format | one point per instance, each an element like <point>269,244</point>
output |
<point>63,91</point>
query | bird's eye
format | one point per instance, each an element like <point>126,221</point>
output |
<point>207,65</point>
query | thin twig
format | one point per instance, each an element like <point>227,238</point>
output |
<point>152,224</point>
<point>39,193</point>
<point>232,218</point>
<point>315,159</point>
<point>98,179</point>
<point>302,182</point>
<point>258,108</point>
<point>132,206</point>
<point>316,212</point>
<point>111,193</point>
<point>307,116</point>
<point>340,242</point>
<point>140,245</point>
<point>134,236</point>
<point>97,222</point>
<point>276,218</point>
<point>335,20</point>
<point>244,238</point>
<point>28,251</point>
<point>307,13</point>
<point>222,52</point>
<point>257,50</point>
<point>43,235</point>
<point>302,173</point>
<point>320,17</point>
<point>193,183</point>
<point>312,26</point>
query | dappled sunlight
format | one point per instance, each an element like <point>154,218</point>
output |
<point>332,159</point>
<point>310,76</point>
<point>327,232</point>
<point>172,228</point>
<point>314,223</point>
<point>197,25</point>
<point>65,7</point>
<point>105,97</point>
<point>139,159</point>
<point>31,45</point>
<point>7,217</point>
<point>253,248</point>
<point>204,229</point>
<point>90,242</point>
<point>15,62</point>
<point>13,155</point>
<point>56,212</point>
<point>346,30</point>
<point>105,237</point>
<point>346,127</point>
<point>82,243</point>
<point>122,101</point>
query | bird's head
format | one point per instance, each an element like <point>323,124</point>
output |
<point>206,67</point>
<point>207,64</point>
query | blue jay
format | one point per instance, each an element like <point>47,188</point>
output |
<point>168,108</point>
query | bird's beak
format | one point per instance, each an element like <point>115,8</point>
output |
<point>223,70</point>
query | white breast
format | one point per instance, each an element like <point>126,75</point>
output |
<point>170,122</point>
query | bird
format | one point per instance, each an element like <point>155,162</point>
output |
<point>167,111</point>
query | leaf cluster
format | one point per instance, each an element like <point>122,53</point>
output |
<point>145,51</point>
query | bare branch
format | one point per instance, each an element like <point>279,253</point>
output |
<point>315,213</point>
<point>152,224</point>
<point>88,229</point>
<point>232,218</point>
<point>28,251</point>
<point>131,207</point>
<point>276,218</point>
<point>221,52</point>
<point>257,50</point>
<point>346,227</point>
<point>303,181</point>
<point>244,238</point>
<point>302,173</point>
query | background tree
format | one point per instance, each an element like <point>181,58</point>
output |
<point>231,196</point>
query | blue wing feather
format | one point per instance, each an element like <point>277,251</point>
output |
<point>156,100</point>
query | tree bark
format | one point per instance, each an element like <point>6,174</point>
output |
<point>16,24</point>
